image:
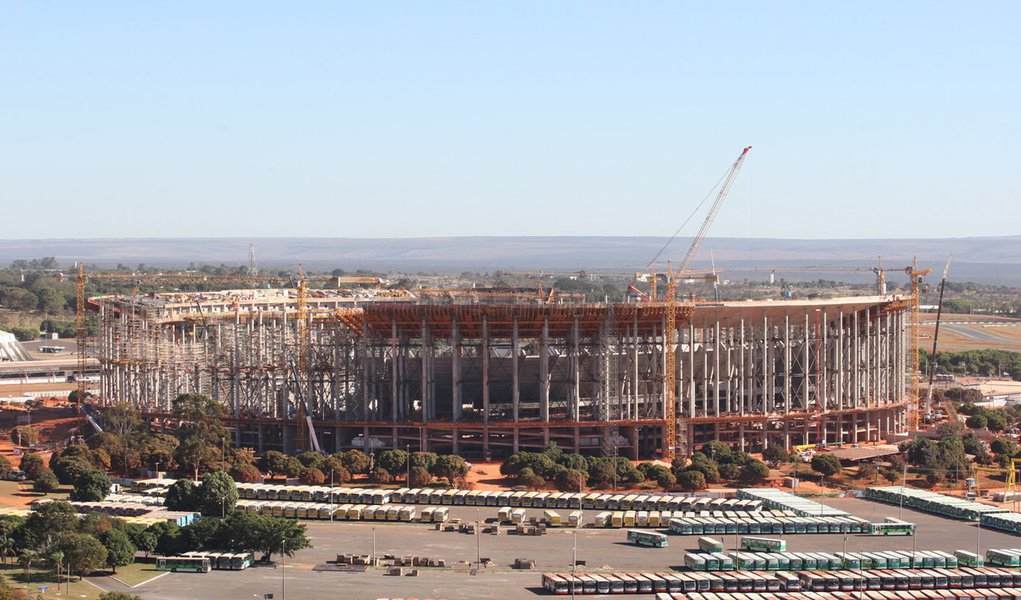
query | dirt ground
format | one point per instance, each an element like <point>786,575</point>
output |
<point>972,332</point>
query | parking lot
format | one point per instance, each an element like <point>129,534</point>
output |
<point>601,549</point>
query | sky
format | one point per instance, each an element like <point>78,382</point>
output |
<point>393,119</point>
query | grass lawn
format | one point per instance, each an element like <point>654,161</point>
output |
<point>38,577</point>
<point>137,573</point>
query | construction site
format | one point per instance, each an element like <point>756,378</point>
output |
<point>485,373</point>
<point>484,377</point>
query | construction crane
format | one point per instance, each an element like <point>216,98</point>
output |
<point>952,414</point>
<point>672,442</point>
<point>917,280</point>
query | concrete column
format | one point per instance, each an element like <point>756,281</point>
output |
<point>395,373</point>
<point>515,383</point>
<point>455,366</point>
<point>544,374</point>
<point>575,404</point>
<point>485,388</point>
<point>426,362</point>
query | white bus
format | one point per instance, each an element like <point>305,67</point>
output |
<point>653,539</point>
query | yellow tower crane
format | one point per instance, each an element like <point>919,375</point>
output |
<point>674,437</point>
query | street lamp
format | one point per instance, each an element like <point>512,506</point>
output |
<point>283,553</point>
<point>574,563</point>
<point>478,539</point>
<point>407,448</point>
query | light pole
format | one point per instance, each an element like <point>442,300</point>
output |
<point>903,482</point>
<point>845,549</point>
<point>574,563</point>
<point>372,558</point>
<point>283,553</point>
<point>478,538</point>
<point>407,449</point>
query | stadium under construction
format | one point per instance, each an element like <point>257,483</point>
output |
<point>487,376</point>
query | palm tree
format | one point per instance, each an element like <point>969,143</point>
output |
<point>7,546</point>
<point>57,557</point>
<point>26,557</point>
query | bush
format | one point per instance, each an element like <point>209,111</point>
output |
<point>245,473</point>
<point>891,475</point>
<point>530,479</point>
<point>708,468</point>
<point>380,475</point>
<point>313,476</point>
<point>754,471</point>
<point>691,481</point>
<point>730,471</point>
<point>868,471</point>
<point>355,461</point>
<point>336,472</point>
<point>775,454</point>
<point>664,478</point>
<point>420,477</point>
<point>976,421</point>
<point>571,480</point>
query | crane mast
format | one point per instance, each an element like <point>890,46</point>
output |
<point>672,441</point>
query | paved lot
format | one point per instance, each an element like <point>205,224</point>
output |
<point>601,549</point>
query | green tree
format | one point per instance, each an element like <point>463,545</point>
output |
<point>394,461</point>
<point>426,460</point>
<point>450,467</point>
<point>120,551</point>
<point>218,494</point>
<point>182,496</point>
<point>46,482</point>
<point>91,486</point>
<point>48,522</point>
<point>775,454</point>
<point>420,477</point>
<point>8,547</point>
<point>530,479</point>
<point>312,459</point>
<point>571,480</point>
<point>355,461</point>
<point>336,472</point>
<point>32,465</point>
<point>276,535</point>
<point>201,433</point>
<point>976,421</point>
<point>754,471</point>
<point>5,466</point>
<point>709,469</point>
<point>69,468</point>
<point>718,452</point>
<point>145,541</point>
<point>157,451</point>
<point>691,481</point>
<point>83,553</point>
<point>601,473</point>
<point>826,464</point>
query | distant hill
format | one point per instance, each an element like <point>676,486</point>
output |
<point>992,260</point>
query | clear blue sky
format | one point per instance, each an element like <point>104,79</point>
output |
<point>367,119</point>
